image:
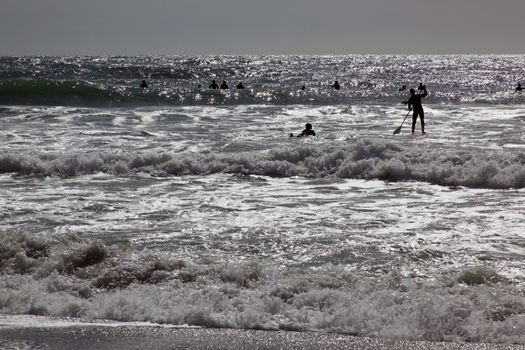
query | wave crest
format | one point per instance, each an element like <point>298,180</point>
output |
<point>366,159</point>
<point>54,92</point>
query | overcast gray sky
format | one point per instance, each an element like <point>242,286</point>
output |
<point>128,27</point>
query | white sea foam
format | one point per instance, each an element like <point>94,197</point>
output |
<point>366,159</point>
<point>66,276</point>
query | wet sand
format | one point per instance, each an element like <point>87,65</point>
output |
<point>84,337</point>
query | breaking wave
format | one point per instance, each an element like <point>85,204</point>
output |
<point>70,276</point>
<point>366,159</point>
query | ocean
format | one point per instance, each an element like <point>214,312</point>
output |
<point>184,206</point>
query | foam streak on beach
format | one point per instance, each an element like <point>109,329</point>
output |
<point>182,206</point>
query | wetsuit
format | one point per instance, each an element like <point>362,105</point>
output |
<point>306,132</point>
<point>415,102</point>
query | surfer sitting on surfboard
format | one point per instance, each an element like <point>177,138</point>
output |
<point>308,131</point>
<point>415,101</point>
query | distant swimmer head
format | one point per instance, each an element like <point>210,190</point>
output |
<point>308,126</point>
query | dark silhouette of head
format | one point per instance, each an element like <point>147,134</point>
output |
<point>412,92</point>
<point>308,126</point>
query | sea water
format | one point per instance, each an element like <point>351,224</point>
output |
<point>180,205</point>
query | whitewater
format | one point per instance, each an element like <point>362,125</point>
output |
<point>182,206</point>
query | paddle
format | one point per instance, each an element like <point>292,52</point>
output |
<point>398,129</point>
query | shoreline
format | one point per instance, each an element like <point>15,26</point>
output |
<point>17,333</point>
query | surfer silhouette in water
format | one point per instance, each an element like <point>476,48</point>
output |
<point>519,88</point>
<point>336,85</point>
<point>240,85</point>
<point>214,85</point>
<point>414,102</point>
<point>224,86</point>
<point>144,85</point>
<point>308,131</point>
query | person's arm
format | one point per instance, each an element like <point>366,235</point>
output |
<point>409,102</point>
<point>425,93</point>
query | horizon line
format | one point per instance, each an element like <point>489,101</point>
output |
<point>260,54</point>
